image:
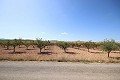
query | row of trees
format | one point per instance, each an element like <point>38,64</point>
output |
<point>18,42</point>
<point>106,45</point>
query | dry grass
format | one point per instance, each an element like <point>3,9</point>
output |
<point>56,54</point>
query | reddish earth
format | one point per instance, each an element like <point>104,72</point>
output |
<point>54,53</point>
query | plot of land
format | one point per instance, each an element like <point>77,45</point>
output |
<point>54,53</point>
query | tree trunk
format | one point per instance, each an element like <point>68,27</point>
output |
<point>40,50</point>
<point>33,46</point>
<point>27,48</point>
<point>14,50</point>
<point>65,51</point>
<point>7,47</point>
<point>108,54</point>
<point>19,46</point>
<point>88,50</point>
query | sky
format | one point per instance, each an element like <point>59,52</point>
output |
<point>68,20</point>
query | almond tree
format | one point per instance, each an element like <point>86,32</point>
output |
<point>46,44</point>
<point>118,46</point>
<point>63,45</point>
<point>14,44</point>
<point>78,45</point>
<point>94,45</point>
<point>40,44</point>
<point>8,44</point>
<point>72,44</point>
<point>20,42</point>
<point>27,44</point>
<point>2,43</point>
<point>88,45</point>
<point>33,43</point>
<point>109,45</point>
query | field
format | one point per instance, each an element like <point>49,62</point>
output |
<point>55,53</point>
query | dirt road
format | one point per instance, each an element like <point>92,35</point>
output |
<point>58,71</point>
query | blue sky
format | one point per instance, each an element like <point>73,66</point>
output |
<point>60,19</point>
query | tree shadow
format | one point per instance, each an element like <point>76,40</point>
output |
<point>7,49</point>
<point>21,47</point>
<point>30,49</point>
<point>117,58</point>
<point>97,52</point>
<point>47,49</point>
<point>116,52</point>
<point>46,53</point>
<point>17,52</point>
<point>70,52</point>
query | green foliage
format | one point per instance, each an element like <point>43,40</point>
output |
<point>33,43</point>
<point>94,45</point>
<point>88,45</point>
<point>20,42</point>
<point>63,45</point>
<point>5,43</point>
<point>109,45</point>
<point>118,45</point>
<point>40,44</point>
<point>14,43</point>
<point>78,45</point>
<point>8,43</point>
<point>27,44</point>
<point>72,44</point>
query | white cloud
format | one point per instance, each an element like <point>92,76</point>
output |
<point>64,33</point>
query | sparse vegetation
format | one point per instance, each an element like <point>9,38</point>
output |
<point>77,51</point>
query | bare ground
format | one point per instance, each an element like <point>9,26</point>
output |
<point>54,53</point>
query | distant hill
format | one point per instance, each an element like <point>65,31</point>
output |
<point>4,39</point>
